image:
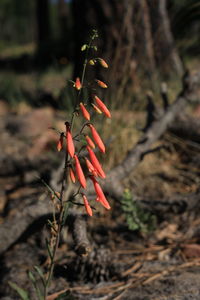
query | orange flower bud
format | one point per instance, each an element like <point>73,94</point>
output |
<point>78,84</point>
<point>84,112</point>
<point>60,142</point>
<point>91,167</point>
<point>87,205</point>
<point>95,162</point>
<point>101,84</point>
<point>90,142</point>
<point>100,195</point>
<point>79,172</point>
<point>97,138</point>
<point>103,63</point>
<point>96,109</point>
<point>69,140</point>
<point>72,175</point>
<point>102,107</point>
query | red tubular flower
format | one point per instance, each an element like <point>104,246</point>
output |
<point>101,84</point>
<point>96,163</point>
<point>102,107</point>
<point>84,112</point>
<point>69,139</point>
<point>79,172</point>
<point>103,63</point>
<point>77,84</point>
<point>87,205</point>
<point>100,195</point>
<point>90,142</point>
<point>96,109</point>
<point>97,138</point>
<point>72,175</point>
<point>60,142</point>
<point>91,167</point>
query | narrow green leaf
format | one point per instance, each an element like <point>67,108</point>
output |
<point>41,274</point>
<point>66,209</point>
<point>38,292</point>
<point>52,191</point>
<point>31,276</point>
<point>49,250</point>
<point>22,293</point>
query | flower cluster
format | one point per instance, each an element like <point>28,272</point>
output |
<point>91,139</point>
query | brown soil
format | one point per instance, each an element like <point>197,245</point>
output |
<point>158,265</point>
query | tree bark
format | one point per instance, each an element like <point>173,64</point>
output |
<point>43,23</point>
<point>165,51</point>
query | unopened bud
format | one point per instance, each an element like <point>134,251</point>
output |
<point>103,63</point>
<point>92,62</point>
<point>96,109</point>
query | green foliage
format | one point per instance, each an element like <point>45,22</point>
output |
<point>21,292</point>
<point>66,296</point>
<point>35,282</point>
<point>136,217</point>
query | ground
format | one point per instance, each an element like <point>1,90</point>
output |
<point>162,262</point>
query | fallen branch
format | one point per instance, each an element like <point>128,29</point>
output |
<point>113,185</point>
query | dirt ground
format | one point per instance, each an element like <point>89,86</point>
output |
<point>159,264</point>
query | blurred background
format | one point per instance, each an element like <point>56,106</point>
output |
<point>143,41</point>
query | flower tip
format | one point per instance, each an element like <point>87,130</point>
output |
<point>84,111</point>
<point>103,63</point>
<point>87,206</point>
<point>72,175</point>
<point>101,84</point>
<point>78,84</point>
<point>60,143</point>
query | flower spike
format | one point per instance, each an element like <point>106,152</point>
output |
<point>79,172</point>
<point>97,138</point>
<point>84,111</point>
<point>100,195</point>
<point>96,163</point>
<point>102,106</point>
<point>69,140</point>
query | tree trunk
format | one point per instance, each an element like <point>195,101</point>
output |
<point>63,18</point>
<point>43,25</point>
<point>166,53</point>
<point>135,38</point>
